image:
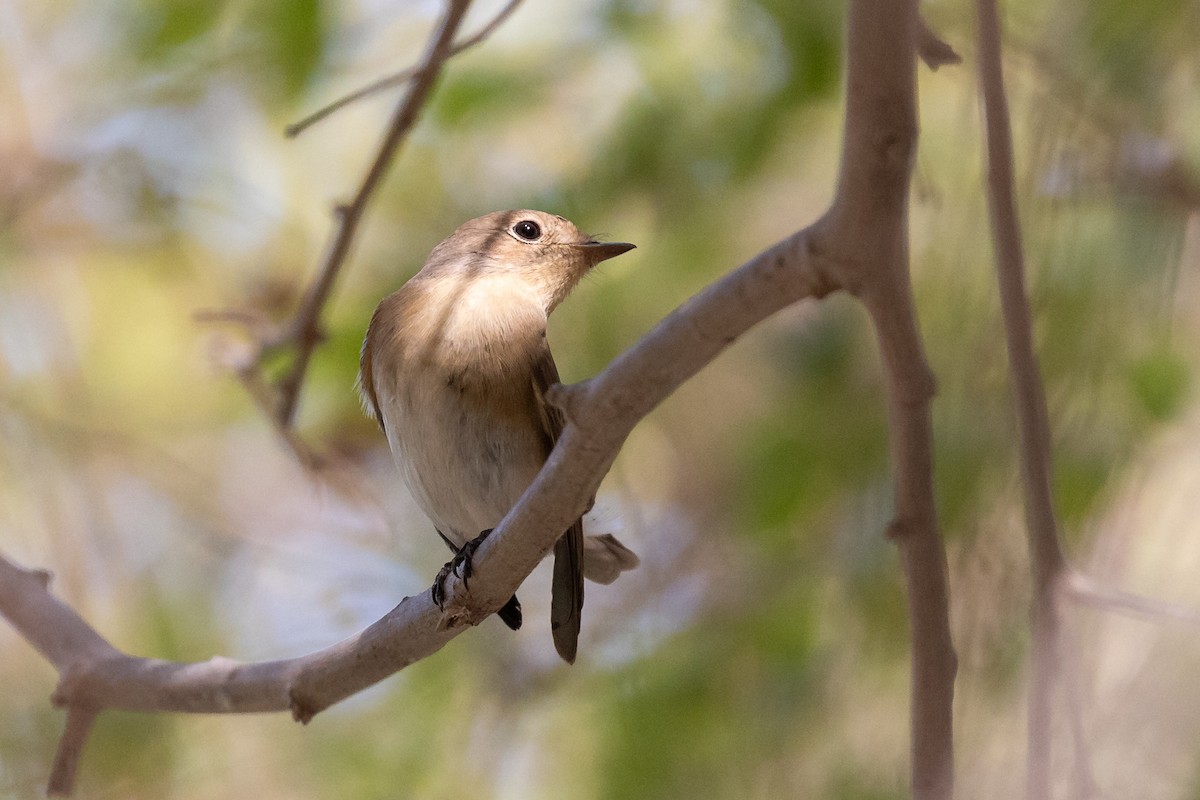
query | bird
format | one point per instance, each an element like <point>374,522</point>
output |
<point>455,367</point>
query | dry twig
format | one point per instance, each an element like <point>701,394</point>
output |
<point>396,78</point>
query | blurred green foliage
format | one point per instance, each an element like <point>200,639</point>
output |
<point>761,651</point>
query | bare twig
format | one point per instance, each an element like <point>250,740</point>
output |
<point>303,333</point>
<point>396,78</point>
<point>1089,591</point>
<point>1045,546</point>
<point>1083,777</point>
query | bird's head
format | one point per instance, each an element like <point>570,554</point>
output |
<point>544,250</point>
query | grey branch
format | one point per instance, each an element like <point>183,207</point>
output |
<point>1045,547</point>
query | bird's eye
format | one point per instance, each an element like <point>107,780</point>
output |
<point>528,230</point>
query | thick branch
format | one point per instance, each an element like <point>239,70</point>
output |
<point>870,239</point>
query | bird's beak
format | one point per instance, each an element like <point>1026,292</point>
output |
<point>602,251</point>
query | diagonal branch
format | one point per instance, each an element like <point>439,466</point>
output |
<point>304,331</point>
<point>1089,591</point>
<point>397,78</point>
<point>95,676</point>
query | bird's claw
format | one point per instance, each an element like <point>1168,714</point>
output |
<point>459,566</point>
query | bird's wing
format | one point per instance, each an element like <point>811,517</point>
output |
<point>566,594</point>
<point>366,375</point>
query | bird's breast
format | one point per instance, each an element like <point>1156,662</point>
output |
<point>462,420</point>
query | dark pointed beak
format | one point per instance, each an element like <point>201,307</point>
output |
<point>602,251</point>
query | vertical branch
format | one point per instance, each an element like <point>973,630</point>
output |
<point>1045,548</point>
<point>869,240</point>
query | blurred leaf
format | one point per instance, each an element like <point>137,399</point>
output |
<point>1132,44</point>
<point>292,34</point>
<point>1079,477</point>
<point>163,27</point>
<point>1160,382</point>
<point>827,438</point>
<point>811,34</point>
<point>479,96</point>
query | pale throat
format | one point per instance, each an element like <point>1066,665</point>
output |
<point>488,319</point>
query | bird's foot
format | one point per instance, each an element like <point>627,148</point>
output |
<point>459,565</point>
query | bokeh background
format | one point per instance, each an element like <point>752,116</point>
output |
<point>761,650</point>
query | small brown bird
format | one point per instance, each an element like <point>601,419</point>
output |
<point>455,367</point>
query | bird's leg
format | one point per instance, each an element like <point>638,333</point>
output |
<point>459,565</point>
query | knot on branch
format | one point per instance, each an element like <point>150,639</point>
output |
<point>823,280</point>
<point>42,576</point>
<point>568,399</point>
<point>933,50</point>
<point>902,528</point>
<point>71,689</point>
<point>896,147</point>
<point>303,709</point>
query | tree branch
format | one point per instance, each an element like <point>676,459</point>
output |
<point>1045,548</point>
<point>871,208</point>
<point>396,78</point>
<point>70,749</point>
<point>1087,590</point>
<point>932,49</point>
<point>95,676</point>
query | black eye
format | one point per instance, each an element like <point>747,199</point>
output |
<point>528,230</point>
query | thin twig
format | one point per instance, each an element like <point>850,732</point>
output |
<point>305,329</point>
<point>1045,547</point>
<point>397,78</point>
<point>1089,591</point>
